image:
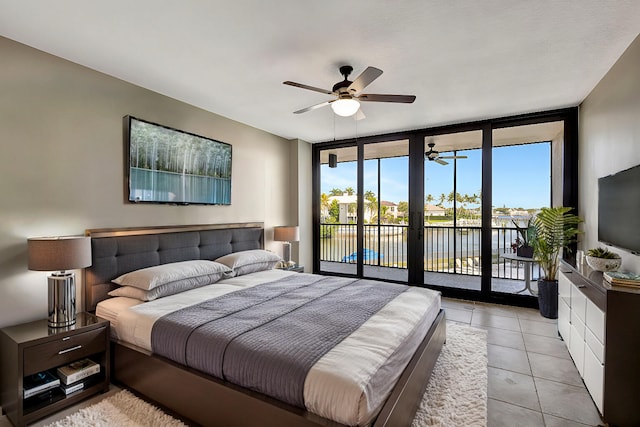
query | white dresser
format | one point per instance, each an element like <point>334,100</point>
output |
<point>601,328</point>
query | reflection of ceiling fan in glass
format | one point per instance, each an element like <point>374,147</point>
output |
<point>434,156</point>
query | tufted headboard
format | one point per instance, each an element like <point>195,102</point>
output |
<point>118,251</point>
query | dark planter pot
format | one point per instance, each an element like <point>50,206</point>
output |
<point>525,251</point>
<point>548,298</point>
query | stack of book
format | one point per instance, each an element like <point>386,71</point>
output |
<point>39,384</point>
<point>76,375</point>
<point>618,278</point>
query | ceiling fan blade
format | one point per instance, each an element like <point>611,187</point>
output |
<point>374,97</point>
<point>315,89</point>
<point>364,79</point>
<point>452,157</point>
<point>360,115</point>
<point>442,162</point>
<point>313,107</point>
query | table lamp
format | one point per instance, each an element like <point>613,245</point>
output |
<point>60,254</point>
<point>287,235</point>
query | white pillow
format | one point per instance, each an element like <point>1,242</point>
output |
<point>152,277</point>
<point>246,262</point>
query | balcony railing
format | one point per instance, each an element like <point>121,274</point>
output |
<point>447,249</point>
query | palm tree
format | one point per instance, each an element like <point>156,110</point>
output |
<point>372,206</point>
<point>324,204</point>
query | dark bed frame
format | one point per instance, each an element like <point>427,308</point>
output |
<point>191,394</point>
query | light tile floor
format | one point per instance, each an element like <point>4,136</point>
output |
<point>532,379</point>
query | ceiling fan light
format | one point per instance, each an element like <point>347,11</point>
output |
<point>345,107</point>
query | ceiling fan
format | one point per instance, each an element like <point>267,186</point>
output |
<point>435,156</point>
<point>348,93</point>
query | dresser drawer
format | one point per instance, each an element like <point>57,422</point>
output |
<point>564,320</point>
<point>576,349</point>
<point>578,324</point>
<point>594,344</point>
<point>594,377</point>
<point>595,320</point>
<point>578,303</point>
<point>63,350</point>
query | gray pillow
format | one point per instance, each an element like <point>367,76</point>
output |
<point>170,288</point>
<point>246,262</point>
<point>152,277</point>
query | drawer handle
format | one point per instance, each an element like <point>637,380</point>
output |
<point>78,347</point>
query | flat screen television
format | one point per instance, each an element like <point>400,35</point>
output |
<point>165,165</point>
<point>619,209</point>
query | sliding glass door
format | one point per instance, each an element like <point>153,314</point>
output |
<point>441,207</point>
<point>452,214</point>
<point>338,211</point>
<point>386,198</point>
<point>522,174</point>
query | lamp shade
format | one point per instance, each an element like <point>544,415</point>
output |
<point>345,107</point>
<point>286,234</point>
<point>59,253</point>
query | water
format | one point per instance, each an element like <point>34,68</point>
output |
<point>439,243</point>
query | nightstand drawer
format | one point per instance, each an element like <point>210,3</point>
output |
<point>63,350</point>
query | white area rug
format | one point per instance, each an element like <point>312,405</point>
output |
<point>456,394</point>
<point>457,391</point>
<point>123,409</point>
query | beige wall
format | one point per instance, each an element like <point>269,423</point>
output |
<point>301,203</point>
<point>61,165</point>
<point>609,140</point>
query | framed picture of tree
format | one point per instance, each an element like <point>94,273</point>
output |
<point>166,165</point>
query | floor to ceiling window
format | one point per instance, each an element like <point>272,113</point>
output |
<point>441,207</point>
<point>338,210</point>
<point>452,215</point>
<point>522,175</point>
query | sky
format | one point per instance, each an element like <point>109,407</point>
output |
<point>521,176</point>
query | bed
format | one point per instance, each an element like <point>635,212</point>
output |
<point>390,399</point>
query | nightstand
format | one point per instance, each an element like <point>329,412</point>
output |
<point>34,347</point>
<point>297,268</point>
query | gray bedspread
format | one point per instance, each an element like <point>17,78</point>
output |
<point>266,338</point>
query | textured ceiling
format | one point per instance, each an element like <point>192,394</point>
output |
<point>464,59</point>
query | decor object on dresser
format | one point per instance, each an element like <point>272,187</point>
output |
<point>287,235</point>
<point>619,278</point>
<point>165,165</point>
<point>555,229</point>
<point>602,259</point>
<point>61,254</point>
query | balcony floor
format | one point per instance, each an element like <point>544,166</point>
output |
<point>451,280</point>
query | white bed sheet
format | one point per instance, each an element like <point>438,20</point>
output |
<point>350,383</point>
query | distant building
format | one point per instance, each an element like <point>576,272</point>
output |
<point>348,208</point>
<point>433,210</point>
<point>392,208</point>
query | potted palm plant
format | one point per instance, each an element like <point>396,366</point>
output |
<point>555,229</point>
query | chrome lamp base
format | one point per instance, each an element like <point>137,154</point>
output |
<point>62,299</point>
<point>286,252</point>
